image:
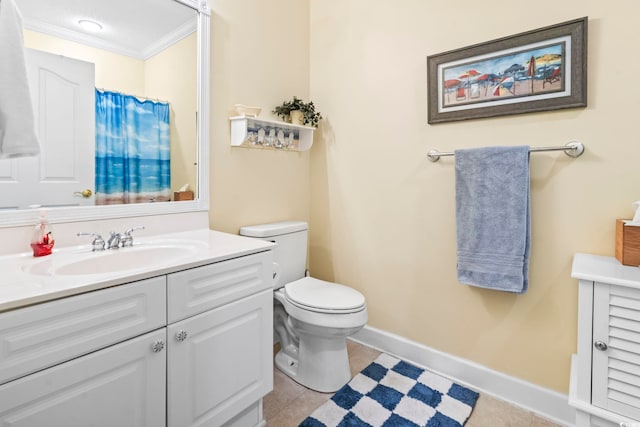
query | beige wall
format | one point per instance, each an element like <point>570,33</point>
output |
<point>113,71</point>
<point>259,57</point>
<point>172,75</point>
<point>382,216</point>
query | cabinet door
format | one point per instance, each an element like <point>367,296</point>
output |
<point>122,385</point>
<point>220,362</point>
<point>616,351</point>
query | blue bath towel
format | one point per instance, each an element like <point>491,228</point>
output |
<point>492,217</point>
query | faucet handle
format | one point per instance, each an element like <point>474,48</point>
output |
<point>127,239</point>
<point>98,241</point>
<point>132,229</point>
<point>114,240</point>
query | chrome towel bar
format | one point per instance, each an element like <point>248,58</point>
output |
<point>571,149</point>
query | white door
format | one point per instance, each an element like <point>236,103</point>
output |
<point>63,98</point>
<point>220,362</point>
<point>123,385</point>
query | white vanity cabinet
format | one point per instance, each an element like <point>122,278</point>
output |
<point>191,347</point>
<point>605,372</point>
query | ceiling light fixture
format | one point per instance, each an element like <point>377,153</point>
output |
<point>89,25</point>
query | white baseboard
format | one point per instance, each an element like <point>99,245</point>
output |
<point>547,403</point>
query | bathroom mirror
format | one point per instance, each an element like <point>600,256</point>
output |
<point>127,19</point>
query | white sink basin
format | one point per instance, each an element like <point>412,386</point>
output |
<point>113,260</point>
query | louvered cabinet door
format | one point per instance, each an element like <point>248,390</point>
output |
<point>616,349</point>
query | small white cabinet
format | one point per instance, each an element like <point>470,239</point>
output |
<point>605,372</point>
<point>616,354</point>
<point>193,347</point>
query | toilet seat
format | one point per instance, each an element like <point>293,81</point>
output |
<point>319,296</point>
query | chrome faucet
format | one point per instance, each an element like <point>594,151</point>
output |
<point>126,239</point>
<point>114,240</point>
<point>98,241</point>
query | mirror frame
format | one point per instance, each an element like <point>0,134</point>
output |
<point>21,217</point>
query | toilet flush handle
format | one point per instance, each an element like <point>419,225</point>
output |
<point>276,274</point>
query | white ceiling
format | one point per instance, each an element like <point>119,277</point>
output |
<point>137,28</point>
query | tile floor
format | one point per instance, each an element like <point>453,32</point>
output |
<point>289,403</point>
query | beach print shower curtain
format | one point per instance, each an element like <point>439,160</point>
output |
<point>132,149</point>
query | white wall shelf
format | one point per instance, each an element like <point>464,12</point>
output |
<point>252,132</point>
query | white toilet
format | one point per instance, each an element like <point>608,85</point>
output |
<point>312,318</point>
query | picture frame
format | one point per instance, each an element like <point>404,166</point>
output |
<point>539,70</point>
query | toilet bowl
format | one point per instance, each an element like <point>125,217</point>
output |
<point>312,317</point>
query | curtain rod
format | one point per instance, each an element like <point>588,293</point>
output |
<point>571,149</point>
<point>144,98</point>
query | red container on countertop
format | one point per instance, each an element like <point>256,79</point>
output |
<point>42,241</point>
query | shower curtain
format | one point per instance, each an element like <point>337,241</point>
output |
<point>132,149</point>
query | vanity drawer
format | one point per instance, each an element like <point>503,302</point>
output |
<point>46,334</point>
<point>197,290</point>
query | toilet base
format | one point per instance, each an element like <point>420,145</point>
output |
<point>323,364</point>
<point>287,364</point>
<point>314,350</point>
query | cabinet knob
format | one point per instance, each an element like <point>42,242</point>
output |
<point>157,346</point>
<point>181,336</point>
<point>600,345</point>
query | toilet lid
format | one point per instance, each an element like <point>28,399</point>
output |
<point>318,295</point>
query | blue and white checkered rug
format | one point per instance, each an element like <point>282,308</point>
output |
<point>392,393</point>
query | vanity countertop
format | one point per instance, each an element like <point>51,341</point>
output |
<point>25,280</point>
<point>604,269</point>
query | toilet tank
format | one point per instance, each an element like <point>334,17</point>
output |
<point>290,256</point>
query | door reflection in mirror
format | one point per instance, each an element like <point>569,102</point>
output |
<point>62,93</point>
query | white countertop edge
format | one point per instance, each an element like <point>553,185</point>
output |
<point>19,289</point>
<point>604,269</point>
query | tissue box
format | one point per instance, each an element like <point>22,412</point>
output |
<point>627,243</point>
<point>182,195</point>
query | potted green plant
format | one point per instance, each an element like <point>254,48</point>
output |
<point>307,112</point>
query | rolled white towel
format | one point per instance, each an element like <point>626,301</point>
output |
<point>17,124</point>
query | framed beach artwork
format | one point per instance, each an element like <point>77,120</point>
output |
<point>539,70</point>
